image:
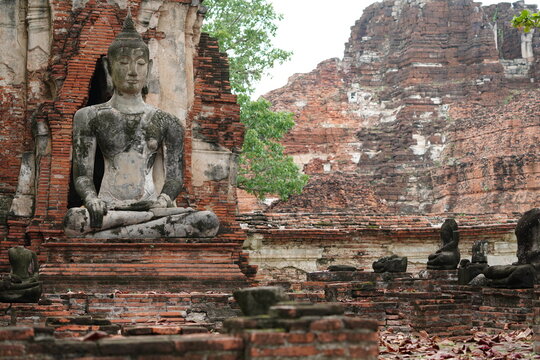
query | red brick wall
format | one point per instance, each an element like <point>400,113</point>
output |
<point>215,119</point>
<point>316,337</point>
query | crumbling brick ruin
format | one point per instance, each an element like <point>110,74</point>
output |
<point>429,115</point>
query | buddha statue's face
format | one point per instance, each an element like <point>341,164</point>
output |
<point>129,70</point>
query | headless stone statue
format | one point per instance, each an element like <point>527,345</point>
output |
<point>468,270</point>
<point>447,257</point>
<point>22,285</point>
<point>524,272</point>
<point>391,264</point>
<point>131,135</point>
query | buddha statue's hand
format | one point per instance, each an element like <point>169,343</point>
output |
<point>15,278</point>
<point>163,201</point>
<point>97,209</point>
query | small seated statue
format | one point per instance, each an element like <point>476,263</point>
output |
<point>22,285</point>
<point>523,273</point>
<point>468,270</point>
<point>392,264</point>
<point>447,257</point>
<point>132,135</point>
<point>258,300</point>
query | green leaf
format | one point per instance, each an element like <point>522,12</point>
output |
<point>526,20</point>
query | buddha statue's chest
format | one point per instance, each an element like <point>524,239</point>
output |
<point>117,133</point>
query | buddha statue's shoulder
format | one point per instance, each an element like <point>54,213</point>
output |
<point>164,116</point>
<point>164,119</point>
<point>86,115</point>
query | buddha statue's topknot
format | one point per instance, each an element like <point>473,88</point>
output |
<point>128,37</point>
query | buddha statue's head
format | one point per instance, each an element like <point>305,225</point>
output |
<point>128,60</point>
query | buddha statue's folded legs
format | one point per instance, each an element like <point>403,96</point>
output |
<point>155,223</point>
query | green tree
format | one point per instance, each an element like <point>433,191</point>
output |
<point>264,169</point>
<point>526,20</point>
<point>245,29</point>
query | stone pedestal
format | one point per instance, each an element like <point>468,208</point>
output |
<point>334,276</point>
<point>140,265</point>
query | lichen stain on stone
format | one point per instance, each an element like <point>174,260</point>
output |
<point>160,228</point>
<point>216,172</point>
<point>7,75</point>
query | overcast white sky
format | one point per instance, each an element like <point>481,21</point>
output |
<point>316,30</point>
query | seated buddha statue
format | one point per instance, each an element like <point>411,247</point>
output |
<point>448,256</point>
<point>132,135</point>
<point>22,285</point>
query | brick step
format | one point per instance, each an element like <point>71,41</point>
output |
<point>152,265</point>
<point>177,282</point>
<point>194,275</point>
<point>172,260</point>
<point>142,258</point>
<point>139,267</point>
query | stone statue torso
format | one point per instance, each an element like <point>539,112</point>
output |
<point>130,144</point>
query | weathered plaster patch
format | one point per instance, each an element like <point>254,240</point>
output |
<point>430,65</point>
<point>303,258</point>
<point>122,4</point>
<point>435,151</point>
<point>149,14</point>
<point>300,104</point>
<point>327,167</point>
<point>421,145</point>
<point>304,159</point>
<point>78,4</point>
<point>372,153</point>
<point>7,75</point>
<point>355,157</point>
<point>217,172</point>
<point>210,163</point>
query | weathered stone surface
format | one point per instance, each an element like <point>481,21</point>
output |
<point>469,270</point>
<point>479,252</point>
<point>511,276</point>
<point>333,268</point>
<point>479,280</point>
<point>257,301</point>
<point>391,264</point>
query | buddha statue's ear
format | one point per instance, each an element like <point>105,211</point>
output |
<point>145,88</point>
<point>107,68</point>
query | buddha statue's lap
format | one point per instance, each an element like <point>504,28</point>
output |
<point>131,135</point>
